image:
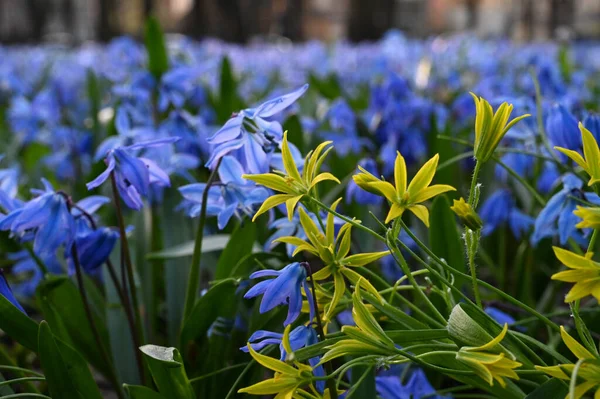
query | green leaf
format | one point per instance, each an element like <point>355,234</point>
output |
<point>551,389</point>
<point>444,238</point>
<point>93,92</point>
<point>229,100</point>
<point>166,366</point>
<point>366,387</point>
<point>212,243</point>
<point>67,374</point>
<point>141,392</point>
<point>61,304</point>
<point>219,300</point>
<point>240,244</point>
<point>158,59</point>
<point>17,325</point>
<point>394,313</point>
<point>328,87</point>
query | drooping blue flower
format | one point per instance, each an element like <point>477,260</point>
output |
<point>251,135</point>
<point>285,288</point>
<point>46,217</point>
<point>557,217</point>
<point>500,208</point>
<point>548,178</point>
<point>417,387</point>
<point>353,192</point>
<point>231,196</point>
<point>28,272</point>
<point>133,174</point>
<point>7,293</point>
<point>561,127</point>
<point>300,337</point>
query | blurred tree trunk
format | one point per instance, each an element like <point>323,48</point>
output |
<point>562,13</point>
<point>220,18</point>
<point>293,20</point>
<point>472,14</point>
<point>370,19</point>
<point>69,18</point>
<point>148,7</point>
<point>528,19</point>
<point>105,27</point>
<point>37,11</point>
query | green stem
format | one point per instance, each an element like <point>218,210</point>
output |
<point>593,240</point>
<point>127,265</point>
<point>194,276</point>
<point>327,366</point>
<point>348,220</point>
<point>22,379</point>
<point>540,117</point>
<point>472,237</point>
<point>407,272</point>
<point>232,367</point>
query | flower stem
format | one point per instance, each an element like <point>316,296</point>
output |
<point>472,237</point>
<point>127,265</point>
<point>194,276</point>
<point>328,368</point>
<point>88,312</point>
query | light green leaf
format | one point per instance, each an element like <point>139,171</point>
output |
<point>166,366</point>
<point>212,243</point>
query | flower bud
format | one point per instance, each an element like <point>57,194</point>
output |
<point>466,214</point>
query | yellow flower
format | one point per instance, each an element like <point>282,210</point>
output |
<point>590,162</point>
<point>468,216</point>
<point>292,184</point>
<point>590,216</point>
<point>584,272</point>
<point>589,370</point>
<point>333,251</point>
<point>491,127</point>
<point>400,196</point>
<point>487,363</point>
<point>287,380</point>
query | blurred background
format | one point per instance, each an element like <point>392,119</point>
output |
<point>77,21</point>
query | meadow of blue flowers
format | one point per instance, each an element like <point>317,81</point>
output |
<point>187,219</point>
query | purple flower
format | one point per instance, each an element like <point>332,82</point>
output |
<point>133,174</point>
<point>251,135</point>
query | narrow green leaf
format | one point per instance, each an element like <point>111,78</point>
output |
<point>141,392</point>
<point>61,304</point>
<point>158,60</point>
<point>444,238</point>
<point>394,313</point>
<point>240,244</point>
<point>219,300</point>
<point>17,325</point>
<point>212,243</point>
<point>166,366</point>
<point>551,389</point>
<point>67,374</point>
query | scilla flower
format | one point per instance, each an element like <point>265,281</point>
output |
<point>491,127</point>
<point>293,185</point>
<point>250,135</point>
<point>489,361</point>
<point>590,162</point>
<point>285,288</point>
<point>588,371</point>
<point>7,293</point>
<point>133,174</point>
<point>402,197</point>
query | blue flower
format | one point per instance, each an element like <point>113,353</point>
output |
<point>548,178</point>
<point>353,192</point>
<point>9,180</point>
<point>231,196</point>
<point>285,288</point>
<point>28,272</point>
<point>47,217</point>
<point>500,317</point>
<point>561,127</point>
<point>557,216</point>
<point>300,337</point>
<point>7,293</point>
<point>390,387</point>
<point>592,123</point>
<point>341,129</point>
<point>251,136</point>
<point>500,208</point>
<point>133,175</point>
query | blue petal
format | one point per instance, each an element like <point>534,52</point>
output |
<point>271,107</point>
<point>102,176</point>
<point>230,131</point>
<point>223,149</point>
<point>231,171</point>
<point>7,293</point>
<point>90,204</point>
<point>133,170</point>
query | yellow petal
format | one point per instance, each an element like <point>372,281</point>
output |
<point>384,188</point>
<point>431,191</point>
<point>364,259</point>
<point>400,174</point>
<point>590,151</point>
<point>270,180</point>
<point>581,290</point>
<point>271,386</point>
<point>310,167</point>
<point>423,177</point>
<point>310,228</point>
<point>554,371</point>
<point>322,177</point>
<point>330,227</point>
<point>573,260</point>
<point>575,156</point>
<point>288,160</point>
<point>421,212</point>
<point>338,292</point>
<point>490,345</point>
<point>581,389</point>
<point>395,211</point>
<point>575,347</point>
<point>271,202</point>
<point>271,363</point>
<point>290,205</point>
